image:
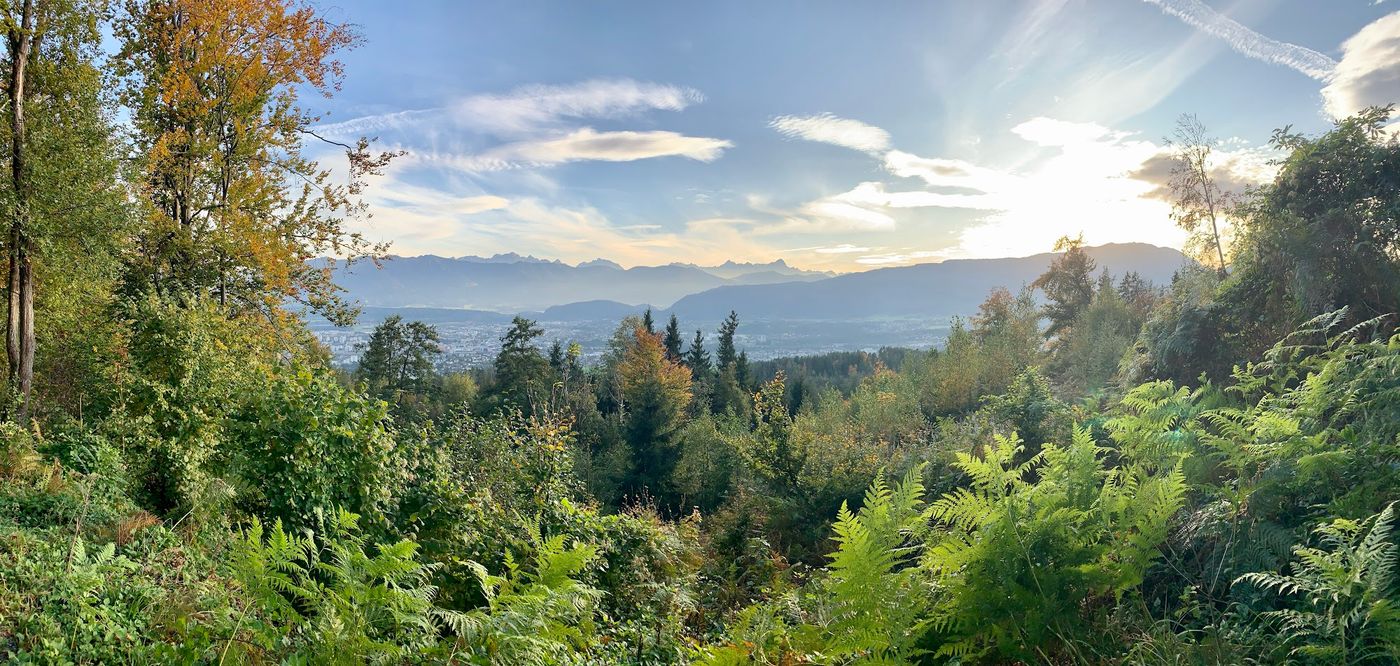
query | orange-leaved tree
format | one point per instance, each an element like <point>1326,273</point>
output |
<point>235,210</point>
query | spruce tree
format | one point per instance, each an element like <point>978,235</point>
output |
<point>522,372</point>
<point>696,358</point>
<point>673,341</point>
<point>726,355</point>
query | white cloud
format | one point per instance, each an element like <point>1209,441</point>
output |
<point>874,194</point>
<point>940,172</point>
<point>528,109</point>
<point>1051,132</point>
<point>1369,71</point>
<point>827,128</point>
<point>373,125</point>
<point>535,106</point>
<point>844,248</point>
<point>1086,177</point>
<point>827,215</point>
<point>888,258</point>
<point>483,203</point>
<point>585,144</point>
<point>1246,41</point>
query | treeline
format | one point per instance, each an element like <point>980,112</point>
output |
<point>1200,472</point>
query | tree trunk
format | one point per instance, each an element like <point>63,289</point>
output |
<point>12,308</point>
<point>19,339</point>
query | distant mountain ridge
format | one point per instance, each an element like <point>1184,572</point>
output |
<point>953,287</point>
<point>515,283</point>
<point>601,289</point>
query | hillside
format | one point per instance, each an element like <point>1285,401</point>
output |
<point>507,283</point>
<point>601,289</point>
<point>925,290</point>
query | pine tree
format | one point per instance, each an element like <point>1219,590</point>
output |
<point>556,356</point>
<point>697,358</point>
<point>648,323</point>
<point>673,340</point>
<point>656,392</point>
<point>522,372</point>
<point>726,355</point>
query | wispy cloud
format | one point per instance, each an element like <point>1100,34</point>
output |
<point>375,124</point>
<point>1246,41</point>
<point>873,193</point>
<point>584,144</point>
<point>530,108</point>
<point>888,258</point>
<point>533,127</point>
<point>945,172</point>
<point>1086,177</point>
<point>827,128</point>
<point>1369,72</point>
<point>844,248</point>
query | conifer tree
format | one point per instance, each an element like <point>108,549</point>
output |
<point>522,371</point>
<point>697,358</point>
<point>726,354</point>
<point>673,340</point>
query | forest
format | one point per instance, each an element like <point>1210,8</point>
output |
<point>1093,469</point>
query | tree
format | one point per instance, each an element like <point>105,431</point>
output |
<point>697,358</point>
<point>1199,201</point>
<point>770,451</point>
<point>399,357</point>
<point>648,322</point>
<point>1324,234</point>
<point>60,180</point>
<point>233,208</point>
<point>656,392</point>
<point>673,341</point>
<point>522,372</point>
<point>1140,295</point>
<point>1088,356</point>
<point>1007,330</point>
<point>308,447</point>
<point>1067,285</point>
<point>726,354</point>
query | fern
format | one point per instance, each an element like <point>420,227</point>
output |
<point>872,596</point>
<point>1346,592</point>
<point>1018,559</point>
<point>336,603</point>
<point>535,615</point>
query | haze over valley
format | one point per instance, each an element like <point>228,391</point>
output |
<point>784,311</point>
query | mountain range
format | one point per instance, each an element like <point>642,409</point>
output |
<point>603,290</point>
<point>512,283</point>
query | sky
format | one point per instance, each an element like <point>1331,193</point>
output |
<point>837,136</point>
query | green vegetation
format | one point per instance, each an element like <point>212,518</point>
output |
<point>1092,470</point>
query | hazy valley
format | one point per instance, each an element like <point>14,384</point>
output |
<point>785,311</point>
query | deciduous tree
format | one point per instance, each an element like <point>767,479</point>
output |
<point>234,206</point>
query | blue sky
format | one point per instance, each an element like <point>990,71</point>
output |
<point>835,135</point>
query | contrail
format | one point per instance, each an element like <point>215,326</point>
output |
<point>1246,41</point>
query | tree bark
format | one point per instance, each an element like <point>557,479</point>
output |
<point>19,338</point>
